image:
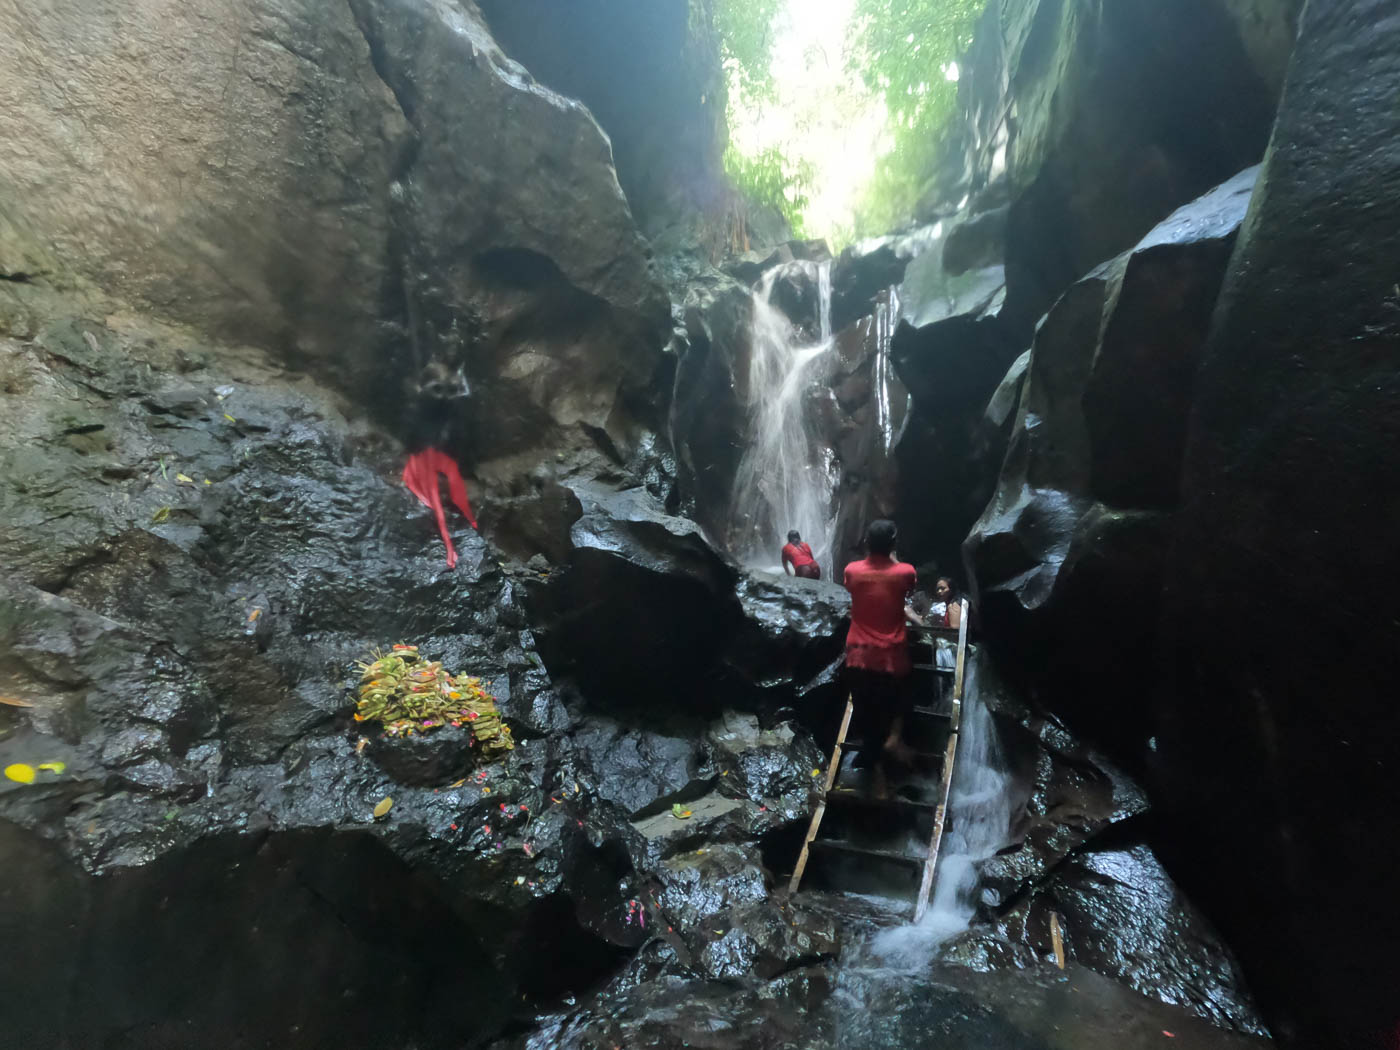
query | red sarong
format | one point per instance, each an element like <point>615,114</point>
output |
<point>420,474</point>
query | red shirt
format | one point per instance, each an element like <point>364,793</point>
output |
<point>797,555</point>
<point>879,588</point>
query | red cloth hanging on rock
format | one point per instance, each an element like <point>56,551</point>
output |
<point>420,474</point>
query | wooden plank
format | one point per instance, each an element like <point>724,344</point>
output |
<point>1057,941</point>
<point>832,770</point>
<point>945,788</point>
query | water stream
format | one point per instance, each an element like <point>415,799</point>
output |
<point>980,812</point>
<point>788,476</point>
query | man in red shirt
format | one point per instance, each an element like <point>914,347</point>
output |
<point>798,560</point>
<point>877,652</point>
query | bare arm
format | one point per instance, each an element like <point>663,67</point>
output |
<point>912,616</point>
<point>955,614</point>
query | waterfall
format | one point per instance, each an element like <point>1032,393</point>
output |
<point>886,319</point>
<point>786,478</point>
<point>980,810</point>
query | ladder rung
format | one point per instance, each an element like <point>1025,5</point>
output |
<point>852,797</point>
<point>838,846</point>
<point>932,667</point>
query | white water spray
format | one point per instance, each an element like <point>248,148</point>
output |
<point>979,808</point>
<point>787,478</point>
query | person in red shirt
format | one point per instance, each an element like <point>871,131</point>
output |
<point>877,651</point>
<point>798,560</point>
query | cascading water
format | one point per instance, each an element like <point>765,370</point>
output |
<point>787,478</point>
<point>886,319</point>
<point>980,811</point>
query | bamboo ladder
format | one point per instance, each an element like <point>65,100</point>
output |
<point>833,770</point>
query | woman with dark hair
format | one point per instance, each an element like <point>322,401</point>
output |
<point>798,560</point>
<point>877,650</point>
<point>946,610</point>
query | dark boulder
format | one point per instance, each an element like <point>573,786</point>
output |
<point>646,609</point>
<point>1073,538</point>
<point>860,273</point>
<point>1277,723</point>
<point>1120,915</point>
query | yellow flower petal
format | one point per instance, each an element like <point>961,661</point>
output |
<point>53,767</point>
<point>20,772</point>
<point>384,806</point>
<point>185,478</point>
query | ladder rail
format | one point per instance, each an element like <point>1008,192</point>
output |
<point>832,770</point>
<point>949,757</point>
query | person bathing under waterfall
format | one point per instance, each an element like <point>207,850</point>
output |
<point>877,650</point>
<point>798,560</point>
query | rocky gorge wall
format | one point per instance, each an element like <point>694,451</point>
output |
<point>269,248</point>
<point>338,185</point>
<point>1194,442</point>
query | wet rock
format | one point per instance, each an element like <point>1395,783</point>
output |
<point>648,607</point>
<point>644,605</point>
<point>791,630</point>
<point>796,293</point>
<point>636,768</point>
<point>1121,916</point>
<point>1076,525</point>
<point>1071,797</point>
<point>858,275</point>
<point>766,940</point>
<point>425,759</point>
<point>188,664</point>
<point>699,884</point>
<point>762,765</point>
<point>1293,425</point>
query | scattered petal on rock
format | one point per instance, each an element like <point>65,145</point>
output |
<point>20,772</point>
<point>384,806</point>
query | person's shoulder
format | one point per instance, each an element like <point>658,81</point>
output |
<point>903,568</point>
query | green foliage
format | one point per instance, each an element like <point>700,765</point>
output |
<point>746,37</point>
<point>769,179</point>
<point>902,49</point>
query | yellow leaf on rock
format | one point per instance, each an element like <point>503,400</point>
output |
<point>384,806</point>
<point>53,767</point>
<point>185,478</point>
<point>11,701</point>
<point>20,773</point>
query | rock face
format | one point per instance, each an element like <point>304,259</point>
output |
<point>1073,539</point>
<point>337,185</point>
<point>1082,125</point>
<point>196,546</point>
<point>1283,565</point>
<point>1105,117</point>
<point>650,73</point>
<point>648,616</point>
<point>710,406</point>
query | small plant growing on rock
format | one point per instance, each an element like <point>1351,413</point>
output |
<point>408,694</point>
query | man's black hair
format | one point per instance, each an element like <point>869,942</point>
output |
<point>880,537</point>
<point>794,536</point>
